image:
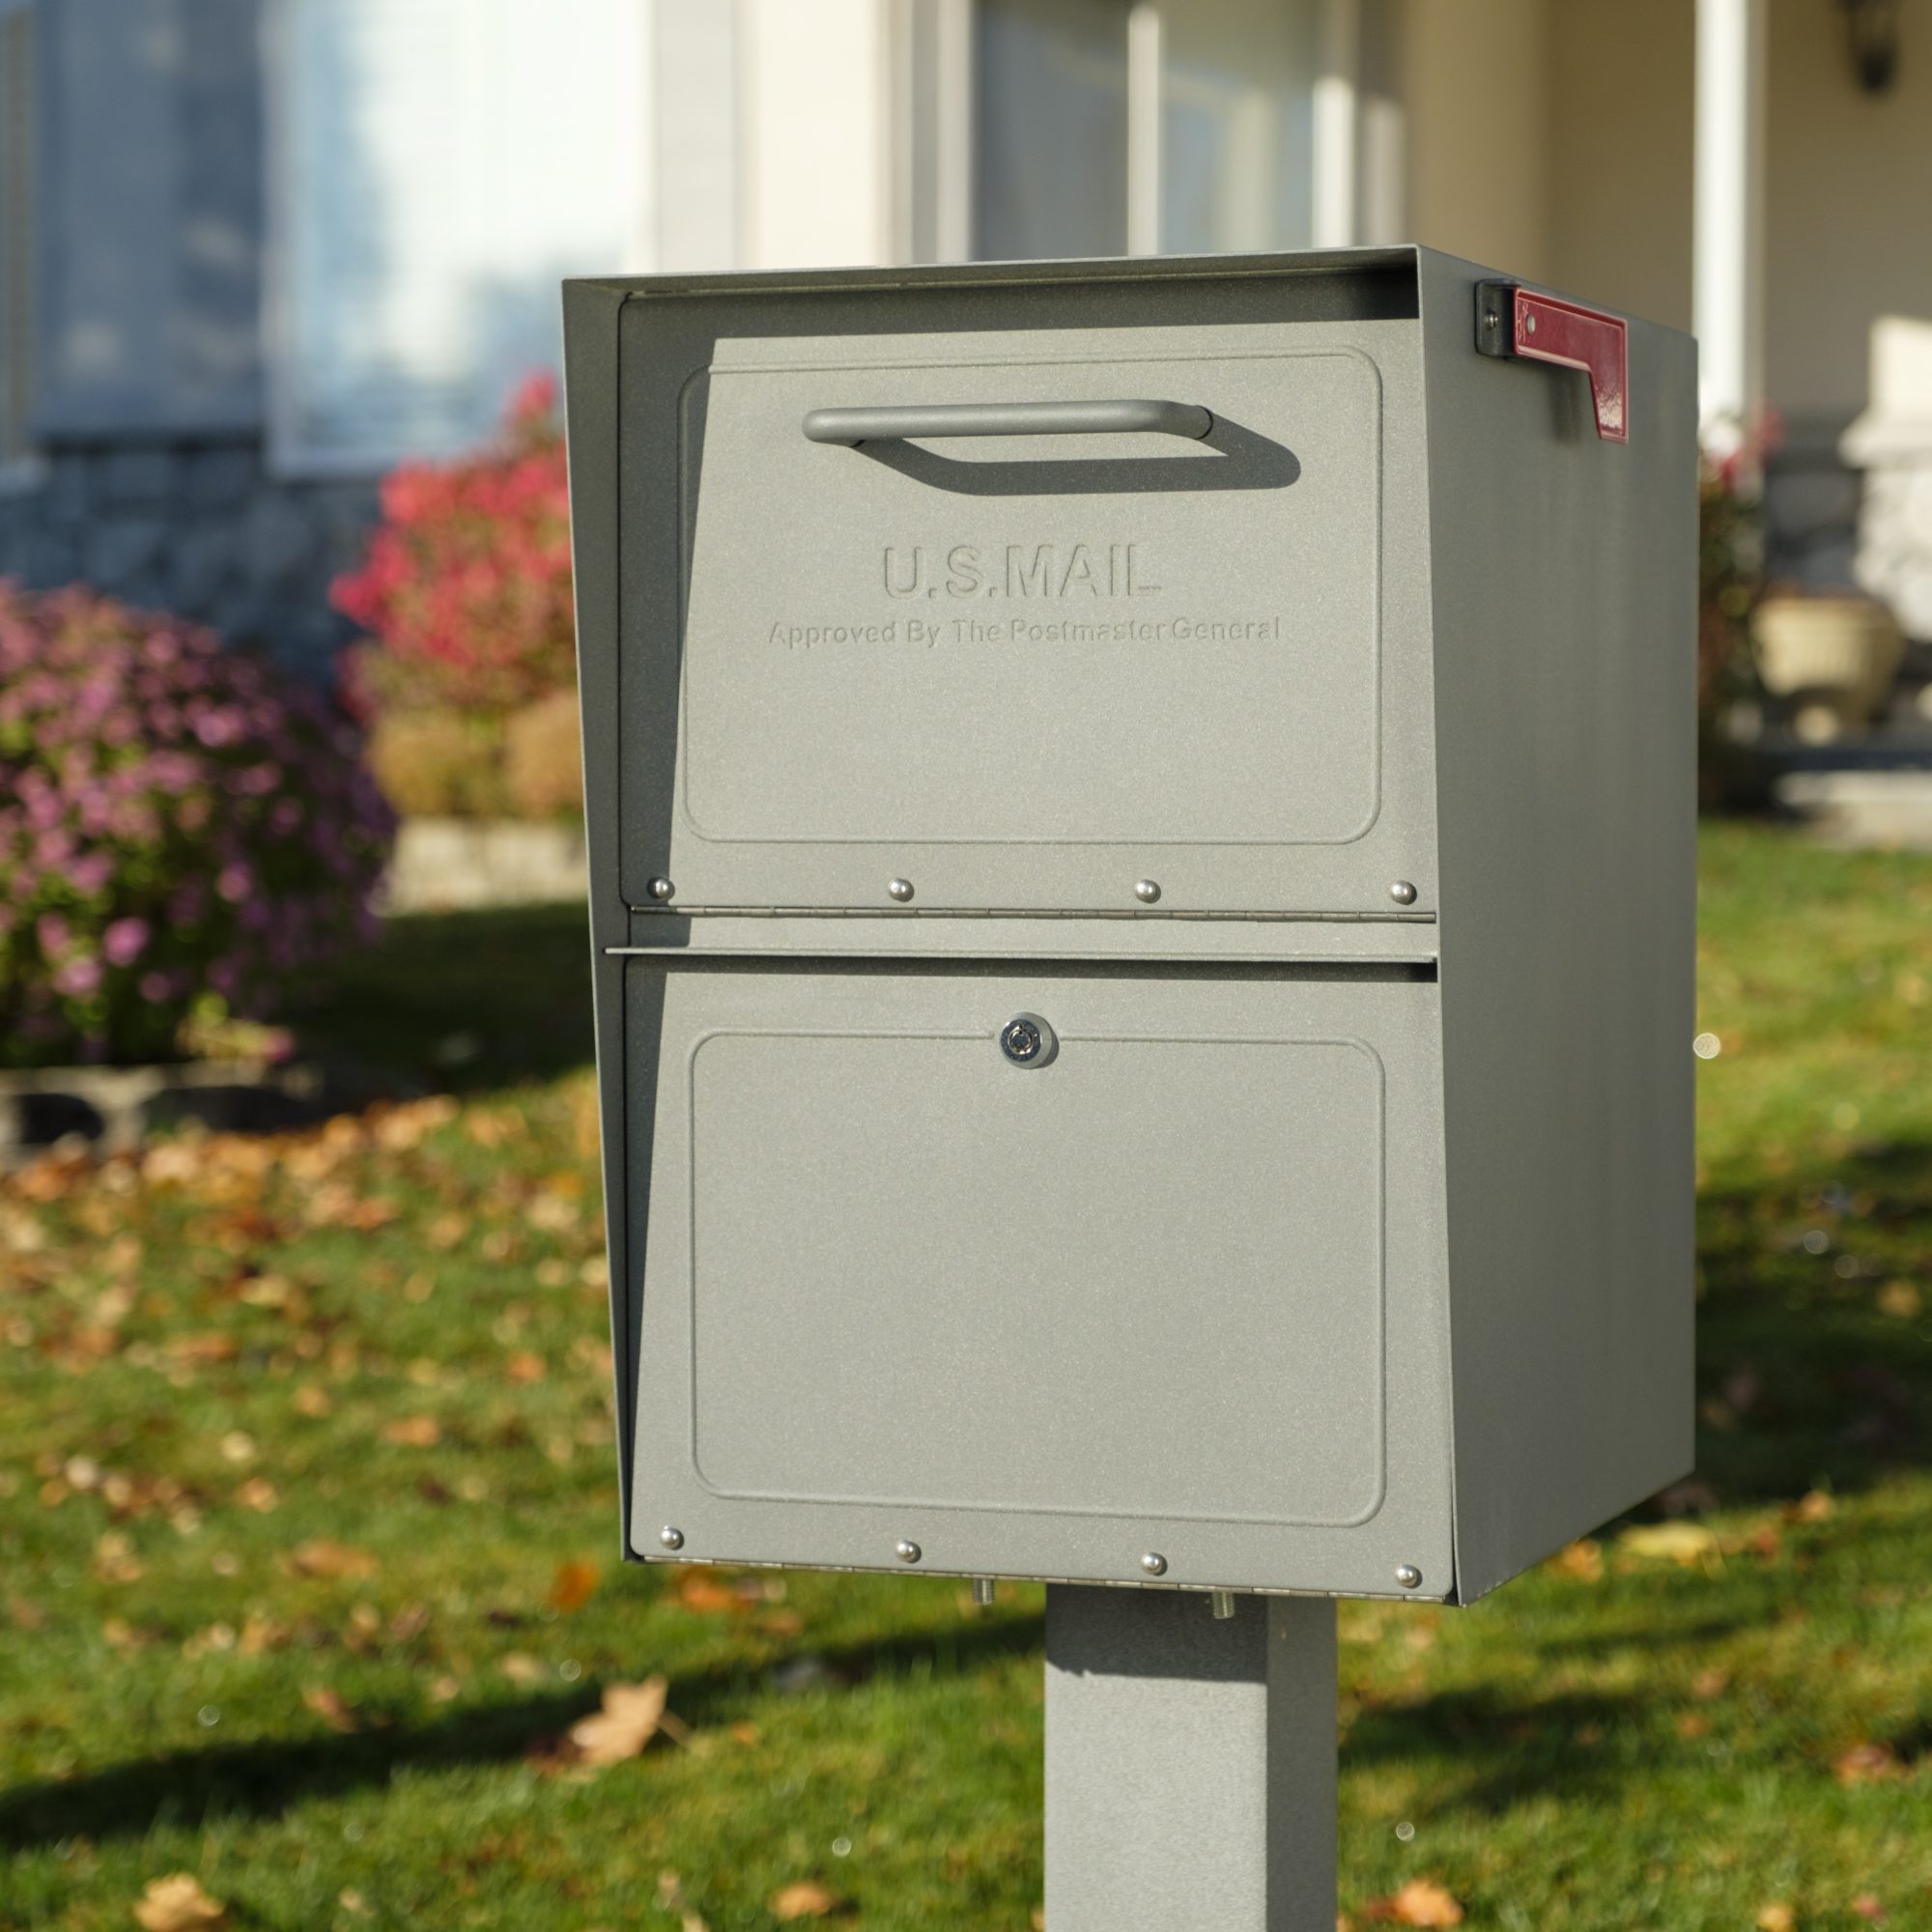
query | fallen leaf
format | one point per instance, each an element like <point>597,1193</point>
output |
<point>707,1594</point>
<point>257,1494</point>
<point>323,1556</point>
<point>1776,1919</point>
<point>414,1431</point>
<point>115,1561</point>
<point>1816,1506</point>
<point>312,1401</point>
<point>352,1900</point>
<point>177,1903</point>
<point>574,1584</point>
<point>1583,1561</point>
<point>1709,1683</point>
<point>1866,1906</point>
<point>520,1667</point>
<point>1418,1903</point>
<point>1670,1542</point>
<point>624,1726</point>
<point>801,1900</point>
<point>238,1446</point>
<point>328,1706</point>
<point>524,1366</point>
<point>1866,1764</point>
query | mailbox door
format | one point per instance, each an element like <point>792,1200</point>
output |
<point>1038,668</point>
<point>1168,1287</point>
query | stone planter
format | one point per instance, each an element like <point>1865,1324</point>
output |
<point>445,864</point>
<point>1830,659</point>
<point>111,1109</point>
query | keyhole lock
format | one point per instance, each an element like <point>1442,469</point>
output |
<point>1027,1040</point>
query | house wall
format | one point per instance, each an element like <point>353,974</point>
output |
<point>1622,102</point>
<point>1848,175</point>
<point>1476,83</point>
<point>152,485</point>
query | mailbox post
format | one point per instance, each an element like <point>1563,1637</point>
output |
<point>1140,832</point>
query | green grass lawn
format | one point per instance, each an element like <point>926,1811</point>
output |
<point>307,1509</point>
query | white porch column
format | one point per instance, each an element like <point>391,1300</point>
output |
<point>1727,275</point>
<point>1336,221</point>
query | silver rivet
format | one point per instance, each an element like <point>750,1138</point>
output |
<point>1154,1563</point>
<point>900,889</point>
<point>662,889</point>
<point>907,1552</point>
<point>1409,1576</point>
<point>671,1539</point>
<point>1147,891</point>
<point>1403,892</point>
<point>1220,1604</point>
<point>982,1592</point>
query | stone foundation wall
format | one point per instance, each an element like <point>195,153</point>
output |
<point>199,529</point>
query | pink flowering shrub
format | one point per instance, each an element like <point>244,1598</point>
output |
<point>465,596</point>
<point>182,832</point>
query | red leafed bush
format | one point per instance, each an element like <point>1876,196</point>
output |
<point>464,592</point>
<point>186,836</point>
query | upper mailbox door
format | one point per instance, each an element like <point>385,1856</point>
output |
<point>990,616</point>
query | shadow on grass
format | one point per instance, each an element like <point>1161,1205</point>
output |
<point>463,1000</point>
<point>1481,1751</point>
<point>185,1789</point>
<point>1815,1361</point>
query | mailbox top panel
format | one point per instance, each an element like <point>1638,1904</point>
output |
<point>1024,598</point>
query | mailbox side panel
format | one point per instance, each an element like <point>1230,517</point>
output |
<point>590,312</point>
<point>1564,584</point>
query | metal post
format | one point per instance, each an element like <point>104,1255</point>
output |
<point>1190,1762</point>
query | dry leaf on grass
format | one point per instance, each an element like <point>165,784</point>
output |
<point>1583,1562</point>
<point>629,1719</point>
<point>177,1903</point>
<point>708,1596</point>
<point>1815,1507</point>
<point>1867,1764</point>
<point>414,1431</point>
<point>322,1557</point>
<point>574,1584</point>
<point>1776,1919</point>
<point>1868,1908</point>
<point>1670,1542</point>
<point>801,1900</point>
<point>1419,1902</point>
<point>115,1561</point>
<point>328,1706</point>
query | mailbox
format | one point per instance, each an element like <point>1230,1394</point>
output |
<point>1140,833</point>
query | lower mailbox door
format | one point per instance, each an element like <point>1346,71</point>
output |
<point>1043,1273</point>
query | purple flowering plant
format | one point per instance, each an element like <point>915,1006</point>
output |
<point>184,835</point>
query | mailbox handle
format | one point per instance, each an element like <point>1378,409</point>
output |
<point>894,423</point>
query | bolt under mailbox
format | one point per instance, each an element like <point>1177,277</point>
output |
<point>1301,583</point>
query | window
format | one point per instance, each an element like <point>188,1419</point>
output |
<point>17,239</point>
<point>1172,127</point>
<point>439,166</point>
<point>1049,129</point>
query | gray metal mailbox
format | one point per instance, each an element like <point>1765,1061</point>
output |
<point>1141,842</point>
